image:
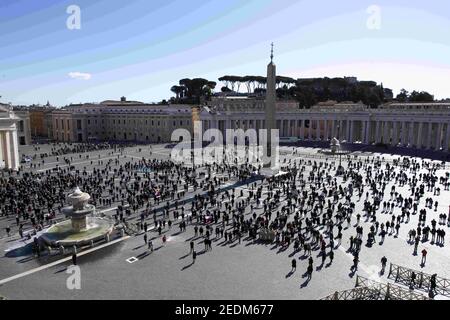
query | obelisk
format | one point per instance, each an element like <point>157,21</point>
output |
<point>270,108</point>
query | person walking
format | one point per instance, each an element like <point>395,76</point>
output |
<point>194,256</point>
<point>331,254</point>
<point>145,238</point>
<point>192,246</point>
<point>150,246</point>
<point>74,259</point>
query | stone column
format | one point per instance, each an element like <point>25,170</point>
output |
<point>395,133</point>
<point>377,131</point>
<point>419,136</point>
<point>430,130</point>
<point>447,137</point>
<point>437,146</point>
<point>310,130</point>
<point>404,131</point>
<point>363,132</point>
<point>14,150</point>
<point>6,149</point>
<point>2,154</point>
<point>386,133</point>
<point>340,129</point>
<point>333,128</point>
<point>325,130</point>
<point>280,126</point>
<point>318,130</point>
<point>302,129</point>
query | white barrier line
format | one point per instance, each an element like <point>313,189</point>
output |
<point>55,263</point>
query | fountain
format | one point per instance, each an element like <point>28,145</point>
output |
<point>335,150</point>
<point>83,227</point>
<point>335,145</point>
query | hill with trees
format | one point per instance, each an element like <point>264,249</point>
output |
<point>307,91</point>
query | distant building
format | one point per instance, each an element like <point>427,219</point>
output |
<point>120,121</point>
<point>41,125</point>
<point>351,80</point>
<point>412,125</point>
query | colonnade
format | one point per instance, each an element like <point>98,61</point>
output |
<point>414,133</point>
<point>9,150</point>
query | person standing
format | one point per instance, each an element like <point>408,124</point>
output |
<point>383,264</point>
<point>192,246</point>
<point>355,263</point>
<point>145,238</point>
<point>416,245</point>
<point>424,257</point>
<point>294,265</point>
<point>309,271</point>
<point>74,259</point>
<point>194,256</point>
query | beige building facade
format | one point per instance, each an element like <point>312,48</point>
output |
<point>120,121</point>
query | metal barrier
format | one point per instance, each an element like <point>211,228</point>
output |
<point>366,289</point>
<point>423,280</point>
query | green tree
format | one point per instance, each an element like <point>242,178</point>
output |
<point>403,96</point>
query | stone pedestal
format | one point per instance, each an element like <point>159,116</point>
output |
<point>79,223</point>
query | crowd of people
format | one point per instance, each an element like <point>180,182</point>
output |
<point>307,208</point>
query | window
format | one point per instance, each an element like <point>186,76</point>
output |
<point>79,124</point>
<point>62,124</point>
<point>21,126</point>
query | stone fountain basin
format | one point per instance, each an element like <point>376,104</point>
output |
<point>63,234</point>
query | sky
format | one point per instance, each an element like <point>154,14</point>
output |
<point>140,48</point>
